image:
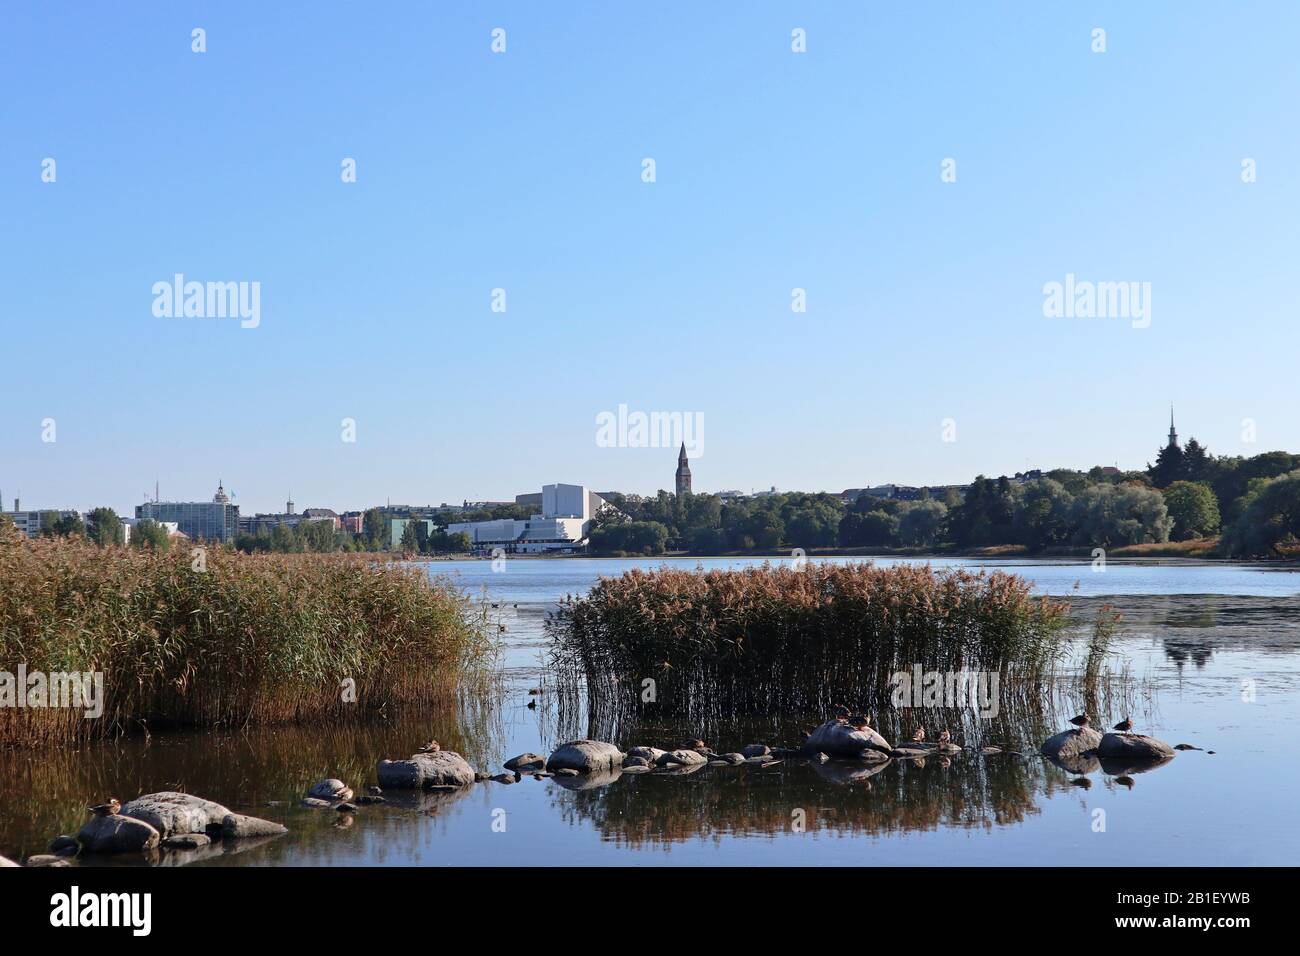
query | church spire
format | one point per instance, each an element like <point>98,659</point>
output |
<point>1173,435</point>
<point>683,473</point>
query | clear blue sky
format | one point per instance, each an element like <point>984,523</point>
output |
<point>523,171</point>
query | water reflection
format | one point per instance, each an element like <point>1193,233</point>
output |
<point>44,792</point>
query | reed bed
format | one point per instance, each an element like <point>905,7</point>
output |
<point>757,639</point>
<point>250,639</point>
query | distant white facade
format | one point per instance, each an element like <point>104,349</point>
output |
<point>562,525</point>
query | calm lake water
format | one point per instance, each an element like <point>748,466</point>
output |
<point>1213,651</point>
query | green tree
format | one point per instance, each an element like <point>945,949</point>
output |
<point>1193,509</point>
<point>149,535</point>
<point>1111,515</point>
<point>104,527</point>
<point>374,529</point>
<point>920,524</point>
<point>1169,467</point>
<point>410,538</point>
<point>1269,525</point>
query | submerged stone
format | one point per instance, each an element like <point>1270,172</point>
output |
<point>681,758</point>
<point>755,750</point>
<point>527,761</point>
<point>330,789</point>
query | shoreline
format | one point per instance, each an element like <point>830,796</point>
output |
<point>1127,554</point>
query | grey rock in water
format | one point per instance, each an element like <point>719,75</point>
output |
<point>525,762</point>
<point>236,825</point>
<point>505,778</point>
<point>649,754</point>
<point>732,758</point>
<point>312,803</point>
<point>638,768</point>
<point>425,771</point>
<point>587,781</point>
<point>1133,747</point>
<point>169,812</point>
<point>835,739</point>
<point>330,789</point>
<point>187,841</point>
<point>631,761</point>
<point>756,750</point>
<point>1185,747</point>
<point>46,859</point>
<point>585,756</point>
<point>116,833</point>
<point>481,777</point>
<point>682,758</point>
<point>566,772</point>
<point>64,845</point>
<point>1070,743</point>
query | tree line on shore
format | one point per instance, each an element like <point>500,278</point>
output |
<point>1242,507</point>
<point>1249,506</point>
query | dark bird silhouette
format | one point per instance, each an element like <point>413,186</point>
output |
<point>1125,782</point>
<point>842,712</point>
<point>430,747</point>
<point>106,809</point>
<point>693,743</point>
<point>1083,782</point>
<point>1081,721</point>
<point>1124,726</point>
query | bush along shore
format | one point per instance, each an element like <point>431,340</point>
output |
<point>754,639</point>
<point>209,638</point>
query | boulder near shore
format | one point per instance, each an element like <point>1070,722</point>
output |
<point>154,818</point>
<point>1070,744</point>
<point>585,756</point>
<point>426,771</point>
<point>1133,747</point>
<point>837,739</point>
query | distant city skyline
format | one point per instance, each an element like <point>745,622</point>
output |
<point>915,181</point>
<point>682,482</point>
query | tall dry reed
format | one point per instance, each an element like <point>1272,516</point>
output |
<point>250,639</point>
<point>756,639</point>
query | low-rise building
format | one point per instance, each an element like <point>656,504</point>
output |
<point>562,524</point>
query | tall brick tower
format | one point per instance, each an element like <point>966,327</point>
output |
<point>683,473</point>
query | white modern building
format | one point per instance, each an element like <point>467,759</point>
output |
<point>562,525</point>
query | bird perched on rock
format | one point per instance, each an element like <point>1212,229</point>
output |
<point>106,809</point>
<point>693,743</point>
<point>1124,726</point>
<point>1081,721</point>
<point>841,712</point>
<point>430,747</point>
<point>919,736</point>
<point>860,721</point>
